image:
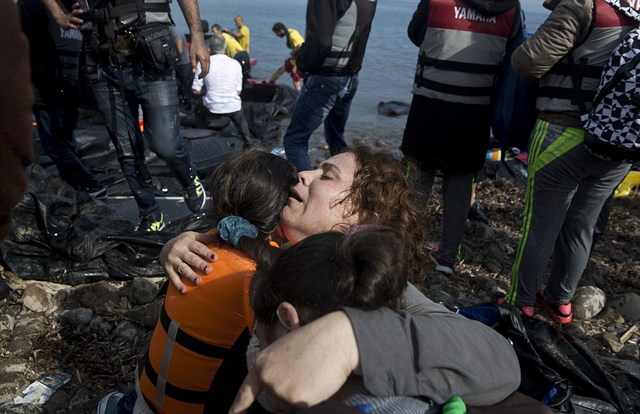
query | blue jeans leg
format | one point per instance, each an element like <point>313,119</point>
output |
<point>316,99</point>
<point>161,112</point>
<point>336,120</point>
<point>120,115</point>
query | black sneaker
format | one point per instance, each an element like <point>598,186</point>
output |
<point>150,224</point>
<point>195,196</point>
<point>476,214</point>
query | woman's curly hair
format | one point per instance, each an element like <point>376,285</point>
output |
<point>383,192</point>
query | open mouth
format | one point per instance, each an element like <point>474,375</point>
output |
<point>294,194</point>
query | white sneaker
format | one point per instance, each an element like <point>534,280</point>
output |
<point>109,403</point>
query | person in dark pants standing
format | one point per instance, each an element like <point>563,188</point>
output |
<point>131,58</point>
<point>55,57</point>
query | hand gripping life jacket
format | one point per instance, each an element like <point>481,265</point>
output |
<point>196,360</point>
<point>461,52</point>
<point>350,37</point>
<point>571,84</point>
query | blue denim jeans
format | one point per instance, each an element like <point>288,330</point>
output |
<point>325,98</point>
<point>158,97</point>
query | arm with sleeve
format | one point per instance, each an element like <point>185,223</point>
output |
<point>322,17</point>
<point>567,24</point>
<point>436,355</point>
<point>418,25</point>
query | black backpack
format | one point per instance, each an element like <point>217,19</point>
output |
<point>612,127</point>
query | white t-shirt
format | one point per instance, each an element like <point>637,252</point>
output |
<point>223,82</point>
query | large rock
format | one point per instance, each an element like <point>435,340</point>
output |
<point>588,302</point>
<point>142,291</point>
<point>627,305</point>
<point>36,299</point>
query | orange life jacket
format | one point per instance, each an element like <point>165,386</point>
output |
<point>196,360</point>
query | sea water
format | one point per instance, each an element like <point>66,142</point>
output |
<point>388,67</point>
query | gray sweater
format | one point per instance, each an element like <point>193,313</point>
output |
<point>436,354</point>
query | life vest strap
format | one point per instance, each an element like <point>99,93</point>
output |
<point>175,392</point>
<point>453,89</point>
<point>476,68</point>
<point>192,343</point>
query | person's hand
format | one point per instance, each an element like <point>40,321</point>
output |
<point>198,52</point>
<point>304,367</point>
<point>184,253</point>
<point>69,20</point>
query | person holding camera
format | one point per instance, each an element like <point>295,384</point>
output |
<point>131,55</point>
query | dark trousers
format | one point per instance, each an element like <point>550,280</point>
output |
<point>56,113</point>
<point>158,98</point>
<point>237,118</point>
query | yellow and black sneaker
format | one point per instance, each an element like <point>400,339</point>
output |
<point>194,195</point>
<point>150,224</point>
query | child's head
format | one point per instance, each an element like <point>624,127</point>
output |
<point>365,268</point>
<point>254,185</point>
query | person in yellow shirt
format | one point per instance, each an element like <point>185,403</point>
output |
<point>235,50</point>
<point>294,41</point>
<point>242,34</point>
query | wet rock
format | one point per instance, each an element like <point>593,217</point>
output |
<point>142,291</point>
<point>630,351</point>
<point>485,232</point>
<point>610,316</point>
<point>98,323</point>
<point>627,305</point>
<point>492,265</point>
<point>575,330</point>
<point>356,142</point>
<point>36,299</point>
<point>588,302</point>
<point>78,316</point>
<point>611,341</point>
<point>494,252</point>
<point>126,330</point>
<point>381,144</point>
<point>100,296</point>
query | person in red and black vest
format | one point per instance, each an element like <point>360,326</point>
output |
<point>462,44</point>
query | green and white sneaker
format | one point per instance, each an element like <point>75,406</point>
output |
<point>109,403</point>
<point>150,224</point>
<point>195,196</point>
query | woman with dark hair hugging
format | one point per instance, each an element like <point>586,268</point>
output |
<point>196,359</point>
<point>365,268</point>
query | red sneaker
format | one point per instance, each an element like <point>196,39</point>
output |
<point>561,313</point>
<point>526,310</point>
<point>442,266</point>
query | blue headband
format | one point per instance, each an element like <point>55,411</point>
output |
<point>231,228</point>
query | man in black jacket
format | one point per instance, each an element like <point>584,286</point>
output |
<point>331,57</point>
